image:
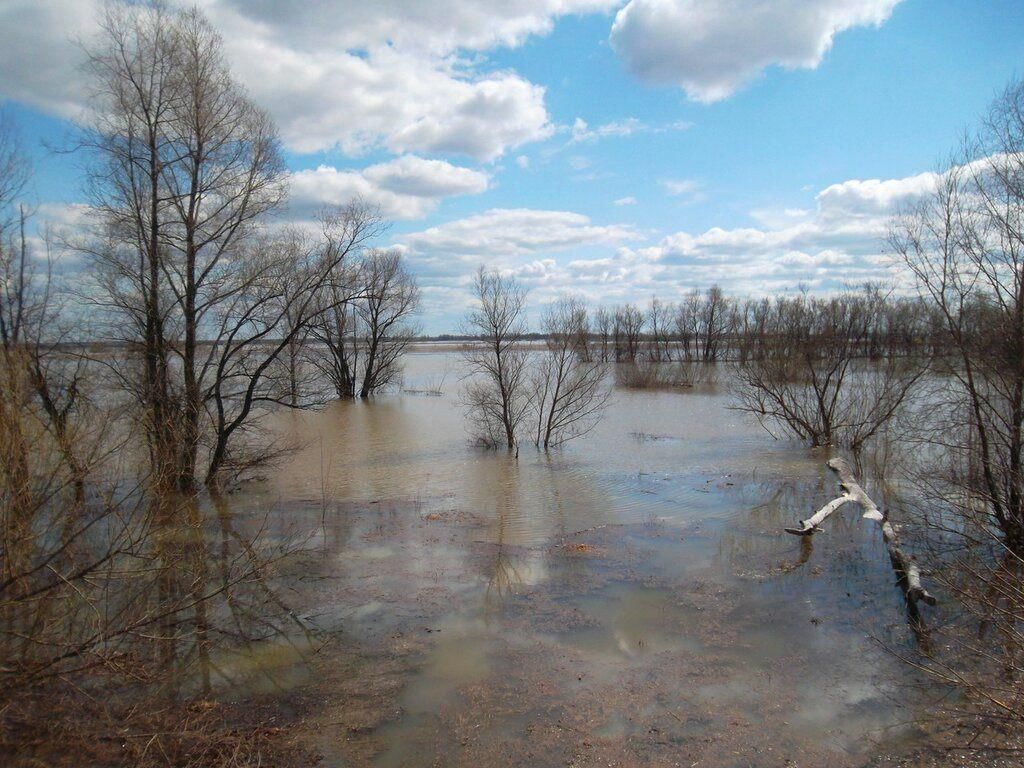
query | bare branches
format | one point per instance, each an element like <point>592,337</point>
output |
<point>389,295</point>
<point>804,371</point>
<point>497,393</point>
<point>567,389</point>
<point>219,312</point>
<point>965,246</point>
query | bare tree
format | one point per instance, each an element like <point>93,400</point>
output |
<point>808,379</point>
<point>659,321</point>
<point>135,77</point>
<point>688,325</point>
<point>965,246</point>
<point>187,168</point>
<point>336,331</point>
<point>389,297</point>
<point>603,322</point>
<point>282,276</point>
<point>716,322</point>
<point>568,389</point>
<point>629,325</point>
<point>497,393</point>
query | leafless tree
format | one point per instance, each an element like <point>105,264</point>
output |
<point>282,275</point>
<point>688,325</point>
<point>809,378</point>
<point>629,326</point>
<point>603,322</point>
<point>965,246</point>
<point>568,391</point>
<point>31,323</point>
<point>716,322</point>
<point>497,392</point>
<point>659,319</point>
<point>336,331</point>
<point>135,77</point>
<point>186,169</point>
<point>389,297</point>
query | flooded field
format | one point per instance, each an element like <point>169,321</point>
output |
<point>628,600</point>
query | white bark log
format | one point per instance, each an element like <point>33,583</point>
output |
<point>906,568</point>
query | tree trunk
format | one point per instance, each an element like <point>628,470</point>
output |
<point>904,565</point>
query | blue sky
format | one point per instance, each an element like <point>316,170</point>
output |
<point>613,148</point>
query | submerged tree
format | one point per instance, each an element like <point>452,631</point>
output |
<point>388,296</point>
<point>497,393</point>
<point>965,246</point>
<point>568,389</point>
<point>807,374</point>
<point>187,167</point>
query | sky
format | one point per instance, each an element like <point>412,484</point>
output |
<point>614,149</point>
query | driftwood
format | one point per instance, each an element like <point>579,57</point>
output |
<point>906,569</point>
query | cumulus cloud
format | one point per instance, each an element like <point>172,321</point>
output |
<point>407,187</point>
<point>40,63</point>
<point>390,100</point>
<point>840,241</point>
<point>512,232</point>
<point>356,76</point>
<point>439,27</point>
<point>837,242</point>
<point>710,48</point>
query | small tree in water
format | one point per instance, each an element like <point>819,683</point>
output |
<point>497,394</point>
<point>568,391</point>
<point>806,372</point>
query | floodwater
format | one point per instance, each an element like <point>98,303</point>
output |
<point>628,600</point>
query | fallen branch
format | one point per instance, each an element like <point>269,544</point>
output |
<point>904,565</point>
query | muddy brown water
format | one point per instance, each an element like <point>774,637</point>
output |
<point>628,600</point>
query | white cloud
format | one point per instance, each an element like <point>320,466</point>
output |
<point>407,187</point>
<point>393,101</point>
<point>581,132</point>
<point>625,201</point>
<point>686,188</point>
<point>526,243</point>
<point>840,242</point>
<point>523,161</point>
<point>359,76</point>
<point>39,63</point>
<point>711,48</point>
<point>502,234</point>
<point>439,27</point>
<point>873,197</point>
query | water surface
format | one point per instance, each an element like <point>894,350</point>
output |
<point>630,599</point>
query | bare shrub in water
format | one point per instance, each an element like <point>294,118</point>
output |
<point>363,324</point>
<point>497,392</point>
<point>389,297</point>
<point>807,376</point>
<point>568,390</point>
